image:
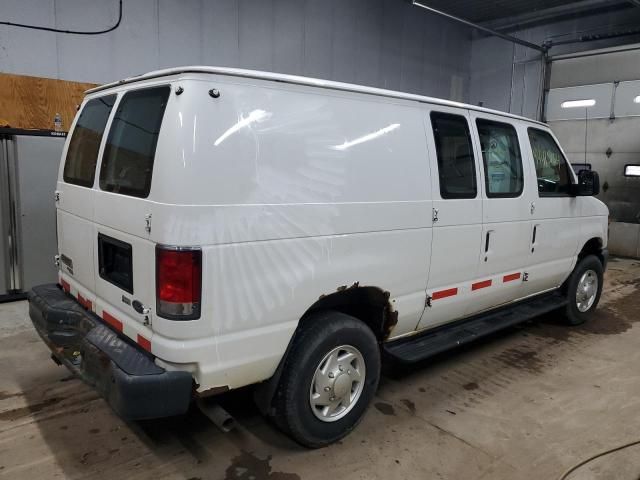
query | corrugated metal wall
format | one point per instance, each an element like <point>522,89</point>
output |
<point>385,43</point>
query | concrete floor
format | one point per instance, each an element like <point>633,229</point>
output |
<point>525,404</point>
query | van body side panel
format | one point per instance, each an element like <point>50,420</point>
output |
<point>261,289</point>
<point>293,193</point>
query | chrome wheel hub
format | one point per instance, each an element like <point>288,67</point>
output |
<point>337,383</point>
<point>587,290</point>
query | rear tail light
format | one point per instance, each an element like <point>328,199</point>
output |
<point>178,282</point>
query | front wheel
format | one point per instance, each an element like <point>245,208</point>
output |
<point>329,379</point>
<point>583,290</point>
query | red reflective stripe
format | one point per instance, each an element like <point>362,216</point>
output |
<point>482,284</point>
<point>111,320</point>
<point>144,343</point>
<point>65,285</point>
<point>511,277</point>
<point>84,302</point>
<point>450,292</point>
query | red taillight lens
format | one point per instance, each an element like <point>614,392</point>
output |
<point>178,283</point>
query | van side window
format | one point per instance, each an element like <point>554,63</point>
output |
<point>127,163</point>
<point>552,168</point>
<point>82,154</point>
<point>456,165</point>
<point>502,159</point>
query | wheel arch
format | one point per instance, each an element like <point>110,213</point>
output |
<point>369,304</point>
<point>594,246</point>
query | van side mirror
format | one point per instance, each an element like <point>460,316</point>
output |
<point>588,184</point>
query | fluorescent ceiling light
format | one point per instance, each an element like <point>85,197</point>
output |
<point>578,103</point>
<point>637,99</point>
<point>367,137</point>
<point>632,171</point>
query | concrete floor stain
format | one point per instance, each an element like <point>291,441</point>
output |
<point>16,413</point>
<point>247,466</point>
<point>527,360</point>
<point>613,319</point>
<point>410,405</point>
<point>385,408</point>
<point>470,386</point>
<point>5,395</point>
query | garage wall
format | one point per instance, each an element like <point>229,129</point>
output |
<point>385,43</point>
<point>508,77</point>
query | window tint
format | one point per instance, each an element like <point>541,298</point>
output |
<point>127,164</point>
<point>501,158</point>
<point>82,154</point>
<point>551,167</point>
<point>456,166</point>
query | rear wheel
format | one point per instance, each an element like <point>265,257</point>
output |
<point>329,379</point>
<point>583,290</point>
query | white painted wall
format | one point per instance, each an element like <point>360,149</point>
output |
<point>384,43</point>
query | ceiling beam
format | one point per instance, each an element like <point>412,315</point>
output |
<point>580,7</point>
<point>482,28</point>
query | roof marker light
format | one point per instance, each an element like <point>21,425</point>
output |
<point>578,103</point>
<point>637,99</point>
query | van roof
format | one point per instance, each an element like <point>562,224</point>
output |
<point>299,80</point>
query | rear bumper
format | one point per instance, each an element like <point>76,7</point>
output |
<point>124,374</point>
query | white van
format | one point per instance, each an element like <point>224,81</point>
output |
<point>219,228</point>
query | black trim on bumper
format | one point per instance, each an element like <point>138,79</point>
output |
<point>124,374</point>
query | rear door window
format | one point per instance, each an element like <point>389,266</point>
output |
<point>502,159</point>
<point>82,154</point>
<point>456,165</point>
<point>127,163</point>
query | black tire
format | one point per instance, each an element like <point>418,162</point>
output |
<point>320,334</point>
<point>573,315</point>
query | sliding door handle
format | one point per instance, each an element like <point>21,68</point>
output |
<point>487,240</point>
<point>534,236</point>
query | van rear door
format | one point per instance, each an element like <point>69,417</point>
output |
<point>75,196</point>
<point>124,254</point>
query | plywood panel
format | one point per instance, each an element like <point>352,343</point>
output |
<point>32,102</point>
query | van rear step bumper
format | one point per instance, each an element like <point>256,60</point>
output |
<point>433,342</point>
<point>124,374</point>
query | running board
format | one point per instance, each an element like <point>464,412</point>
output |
<point>440,339</point>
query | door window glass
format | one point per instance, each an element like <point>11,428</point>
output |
<point>551,167</point>
<point>127,163</point>
<point>82,154</point>
<point>456,165</point>
<point>502,159</point>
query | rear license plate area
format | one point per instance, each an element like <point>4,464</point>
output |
<point>115,262</point>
